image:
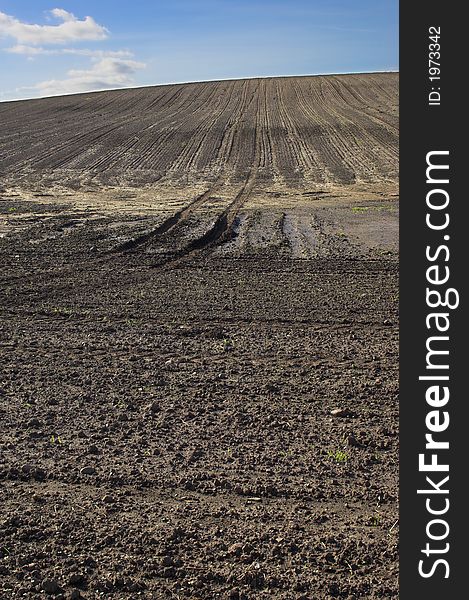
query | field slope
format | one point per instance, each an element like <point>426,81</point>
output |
<point>337,129</point>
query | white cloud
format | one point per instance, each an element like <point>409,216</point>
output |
<point>70,30</point>
<point>107,68</point>
<point>28,50</point>
<point>39,50</point>
<point>60,13</point>
<point>105,73</point>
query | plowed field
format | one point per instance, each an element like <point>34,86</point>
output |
<point>199,349</point>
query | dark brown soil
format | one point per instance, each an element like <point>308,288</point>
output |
<point>199,399</point>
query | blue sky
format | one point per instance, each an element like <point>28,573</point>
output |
<point>54,47</point>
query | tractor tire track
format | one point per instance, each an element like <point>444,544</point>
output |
<point>168,224</point>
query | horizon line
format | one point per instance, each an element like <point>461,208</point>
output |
<point>152,85</point>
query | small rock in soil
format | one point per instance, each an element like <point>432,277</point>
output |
<point>340,412</point>
<point>50,586</point>
<point>88,471</point>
